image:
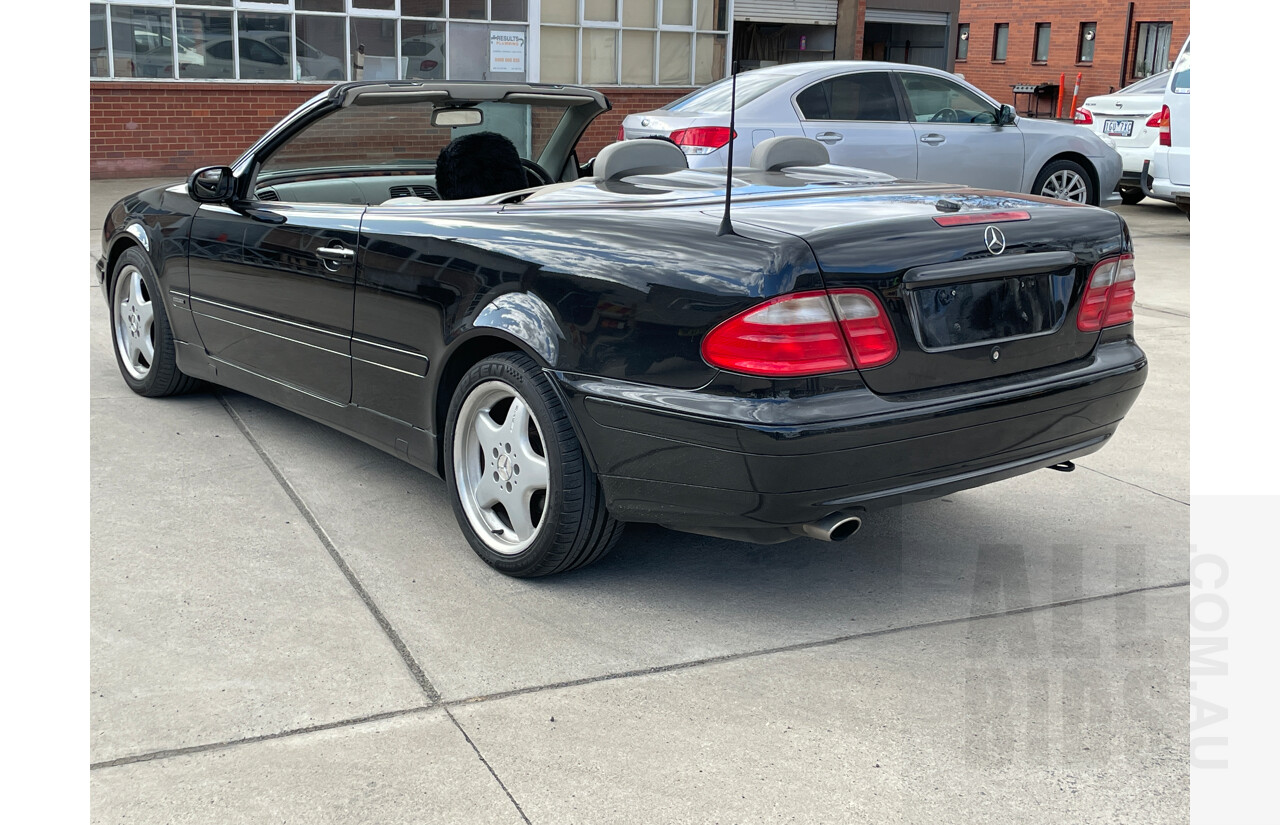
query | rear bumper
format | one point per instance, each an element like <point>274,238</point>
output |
<point>1162,188</point>
<point>751,468</point>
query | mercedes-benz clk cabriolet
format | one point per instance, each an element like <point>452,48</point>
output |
<point>760,353</point>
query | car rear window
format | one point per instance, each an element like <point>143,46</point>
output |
<point>714,99</point>
<point>1153,84</point>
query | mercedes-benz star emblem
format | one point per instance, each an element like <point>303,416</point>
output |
<point>995,240</point>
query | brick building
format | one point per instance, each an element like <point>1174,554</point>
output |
<point>1109,43</point>
<point>180,83</point>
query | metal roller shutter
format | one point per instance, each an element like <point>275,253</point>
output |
<point>818,12</point>
<point>919,18</point>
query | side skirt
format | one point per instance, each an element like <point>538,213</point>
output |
<point>400,439</point>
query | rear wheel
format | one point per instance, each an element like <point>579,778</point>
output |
<point>1130,195</point>
<point>140,330</point>
<point>520,486</point>
<point>1065,180</point>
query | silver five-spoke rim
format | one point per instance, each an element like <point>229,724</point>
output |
<point>135,320</point>
<point>500,467</point>
<point>1065,185</point>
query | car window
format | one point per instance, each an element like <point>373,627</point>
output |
<point>1147,85</point>
<point>714,99</point>
<point>1181,82</point>
<point>937,99</point>
<point>259,52</point>
<point>220,50</point>
<point>858,96</point>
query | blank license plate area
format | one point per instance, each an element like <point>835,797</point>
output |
<point>1118,128</point>
<point>961,314</point>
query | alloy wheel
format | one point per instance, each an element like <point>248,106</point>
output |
<point>134,323</point>
<point>500,467</point>
<point>1066,185</point>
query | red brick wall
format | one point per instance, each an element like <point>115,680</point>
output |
<point>1098,77</point>
<point>156,129</point>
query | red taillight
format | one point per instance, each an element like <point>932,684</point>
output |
<point>621,133</point>
<point>797,335</point>
<point>1154,121</point>
<point>427,65</point>
<point>701,140</point>
<point>1108,298</point>
<point>1083,117</point>
<point>1163,123</point>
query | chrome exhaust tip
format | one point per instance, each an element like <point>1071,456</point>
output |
<point>835,527</point>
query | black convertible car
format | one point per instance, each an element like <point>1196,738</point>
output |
<point>430,268</point>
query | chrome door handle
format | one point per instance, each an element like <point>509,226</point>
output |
<point>933,139</point>
<point>336,253</point>
<point>830,137</point>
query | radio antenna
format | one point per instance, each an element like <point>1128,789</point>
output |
<point>726,226</point>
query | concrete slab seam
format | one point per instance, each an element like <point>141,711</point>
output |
<point>266,737</point>
<point>1174,312</point>
<point>1131,484</point>
<point>750,654</point>
<point>485,762</point>
<point>414,669</point>
<point>608,677</point>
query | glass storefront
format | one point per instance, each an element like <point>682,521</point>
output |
<point>593,42</point>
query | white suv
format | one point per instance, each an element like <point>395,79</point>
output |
<point>1167,176</point>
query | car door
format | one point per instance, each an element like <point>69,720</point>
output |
<point>858,117</point>
<point>956,135</point>
<point>272,290</point>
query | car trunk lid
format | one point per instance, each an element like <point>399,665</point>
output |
<point>975,285</point>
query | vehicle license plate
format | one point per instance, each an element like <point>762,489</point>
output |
<point>1118,128</point>
<point>957,315</point>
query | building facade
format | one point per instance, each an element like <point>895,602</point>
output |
<point>1107,43</point>
<point>176,84</point>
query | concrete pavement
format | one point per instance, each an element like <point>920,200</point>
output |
<point>287,624</point>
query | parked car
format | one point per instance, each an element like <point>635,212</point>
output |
<point>424,55</point>
<point>258,60</point>
<point>1130,118</point>
<point>912,122</point>
<point>155,52</point>
<point>573,353</point>
<point>1167,176</point>
<point>312,62</point>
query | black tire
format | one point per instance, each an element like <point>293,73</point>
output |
<point>140,334</point>
<point>1065,180</point>
<point>1130,195</point>
<point>558,520</point>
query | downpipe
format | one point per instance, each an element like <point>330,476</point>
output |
<point>835,527</point>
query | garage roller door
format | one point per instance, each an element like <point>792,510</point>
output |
<point>918,18</point>
<point>818,12</point>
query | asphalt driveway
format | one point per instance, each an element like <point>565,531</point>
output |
<point>287,624</point>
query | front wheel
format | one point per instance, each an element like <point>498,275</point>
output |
<point>519,484</point>
<point>1065,180</point>
<point>140,330</point>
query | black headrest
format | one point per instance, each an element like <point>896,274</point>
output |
<point>478,164</point>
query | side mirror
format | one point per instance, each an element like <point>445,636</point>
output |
<point>212,184</point>
<point>1007,115</point>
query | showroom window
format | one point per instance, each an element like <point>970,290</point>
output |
<point>594,42</point>
<point>633,42</point>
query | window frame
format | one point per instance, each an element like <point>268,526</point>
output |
<point>962,36</point>
<point>1082,39</point>
<point>1047,28</point>
<point>996,56</point>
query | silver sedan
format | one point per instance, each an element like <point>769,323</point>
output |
<point>911,122</point>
